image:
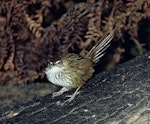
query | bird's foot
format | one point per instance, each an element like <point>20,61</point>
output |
<point>60,92</point>
<point>71,97</point>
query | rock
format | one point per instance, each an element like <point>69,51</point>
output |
<point>116,96</point>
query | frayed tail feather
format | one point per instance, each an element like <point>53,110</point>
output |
<point>98,50</point>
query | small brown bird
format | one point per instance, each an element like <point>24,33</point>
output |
<point>72,71</point>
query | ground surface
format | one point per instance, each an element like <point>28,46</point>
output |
<point>12,95</point>
<point>117,96</point>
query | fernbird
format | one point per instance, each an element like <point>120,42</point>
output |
<point>72,70</point>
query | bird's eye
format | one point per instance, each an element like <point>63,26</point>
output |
<point>58,62</point>
<point>51,63</point>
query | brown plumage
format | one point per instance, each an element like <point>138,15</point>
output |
<point>72,70</point>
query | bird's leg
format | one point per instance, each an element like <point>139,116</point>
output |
<point>73,95</point>
<point>60,92</point>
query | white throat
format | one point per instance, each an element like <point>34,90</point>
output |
<point>56,75</point>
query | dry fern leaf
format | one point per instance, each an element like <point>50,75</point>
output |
<point>9,63</point>
<point>34,26</point>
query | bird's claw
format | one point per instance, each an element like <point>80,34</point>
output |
<point>60,92</point>
<point>71,97</point>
